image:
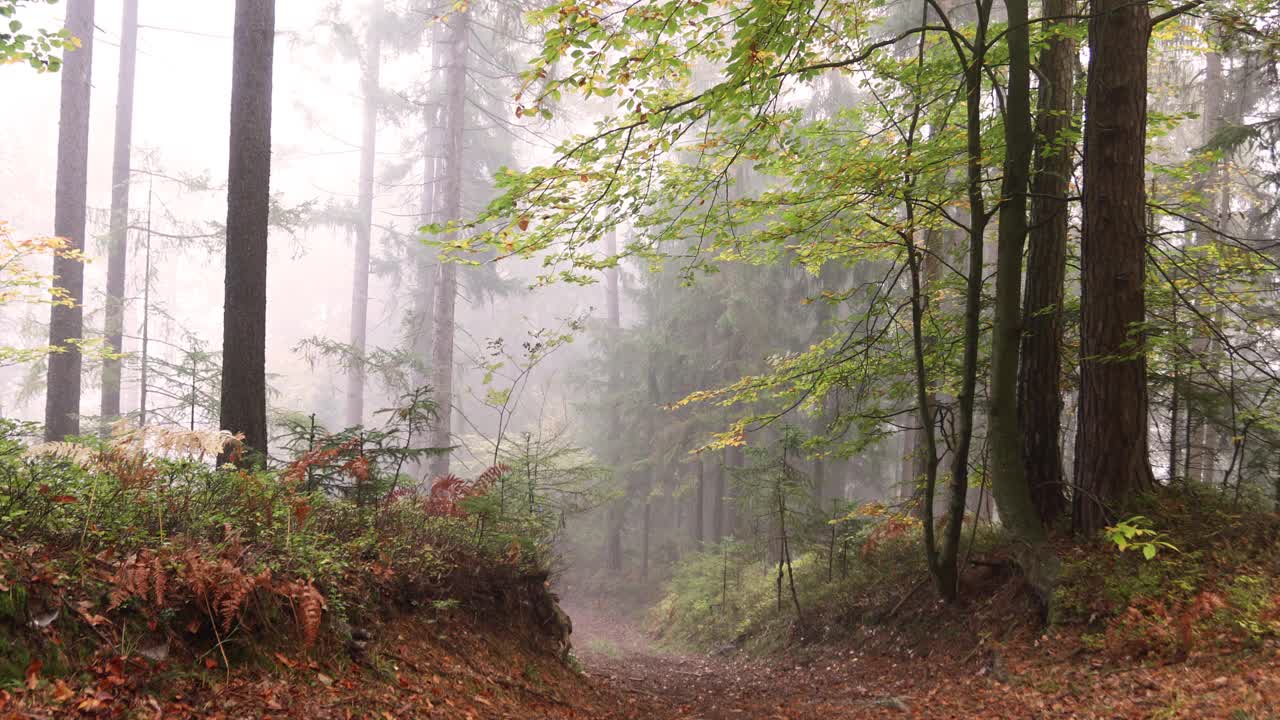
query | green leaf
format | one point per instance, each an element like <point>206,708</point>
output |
<point>1148,551</point>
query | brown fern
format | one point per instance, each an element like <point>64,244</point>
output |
<point>132,579</point>
<point>308,607</point>
<point>233,588</point>
<point>312,605</point>
<point>490,477</point>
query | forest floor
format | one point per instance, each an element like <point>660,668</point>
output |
<point>989,659</point>
<point>467,671</point>
<point>1023,674</point>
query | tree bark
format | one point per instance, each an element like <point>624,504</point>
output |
<point>1112,461</point>
<point>699,506</point>
<point>644,544</point>
<point>427,270</point>
<point>717,499</point>
<point>945,566</point>
<point>442,325</point>
<point>244,391</point>
<point>1009,485</point>
<point>616,514</point>
<point>117,249</point>
<point>66,322</point>
<point>364,219</point>
<point>1039,385</point>
<point>1202,440</point>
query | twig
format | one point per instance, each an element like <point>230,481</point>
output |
<point>914,589</point>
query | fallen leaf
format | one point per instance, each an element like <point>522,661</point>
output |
<point>33,673</point>
<point>62,692</point>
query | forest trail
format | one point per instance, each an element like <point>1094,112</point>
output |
<point>1030,677</point>
<point>646,681</point>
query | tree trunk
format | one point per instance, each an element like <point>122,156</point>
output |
<point>1039,386</point>
<point>945,565</point>
<point>1202,440</point>
<point>717,499</point>
<point>117,249</point>
<point>699,506</point>
<point>427,270</point>
<point>1111,445</point>
<point>644,544</point>
<point>66,323</point>
<point>419,329</point>
<point>616,514</point>
<point>1009,485</point>
<point>735,459</point>
<point>244,391</point>
<point>442,324</point>
<point>364,219</point>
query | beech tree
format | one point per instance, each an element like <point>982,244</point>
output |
<point>1040,368</point>
<point>1008,474</point>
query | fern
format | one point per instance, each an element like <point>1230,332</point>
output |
<point>135,443</point>
<point>72,452</point>
<point>309,606</point>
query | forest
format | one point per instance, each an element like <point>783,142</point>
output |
<point>661,359</point>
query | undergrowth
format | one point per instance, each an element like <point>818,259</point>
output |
<point>139,547</point>
<point>729,594</point>
<point>1216,587</point>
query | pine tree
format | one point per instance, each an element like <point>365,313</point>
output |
<point>1111,442</point>
<point>66,322</point>
<point>244,395</point>
<point>117,253</point>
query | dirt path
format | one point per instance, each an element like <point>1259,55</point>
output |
<point>1032,677</point>
<point>649,683</point>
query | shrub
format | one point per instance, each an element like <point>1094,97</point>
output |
<point>129,538</point>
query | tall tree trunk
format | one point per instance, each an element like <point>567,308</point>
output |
<point>717,498</point>
<point>244,331</point>
<point>699,506</point>
<point>66,322</point>
<point>419,330</point>
<point>118,247</point>
<point>364,219</point>
<point>945,565</point>
<point>616,514</point>
<point>644,542</point>
<point>442,325</point>
<point>1111,443</point>
<point>1202,440</point>
<point>1039,386</point>
<point>1008,477</point>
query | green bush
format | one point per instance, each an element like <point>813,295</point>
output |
<point>728,594</point>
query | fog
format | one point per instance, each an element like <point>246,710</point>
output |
<point>181,123</point>
<point>776,285</point>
